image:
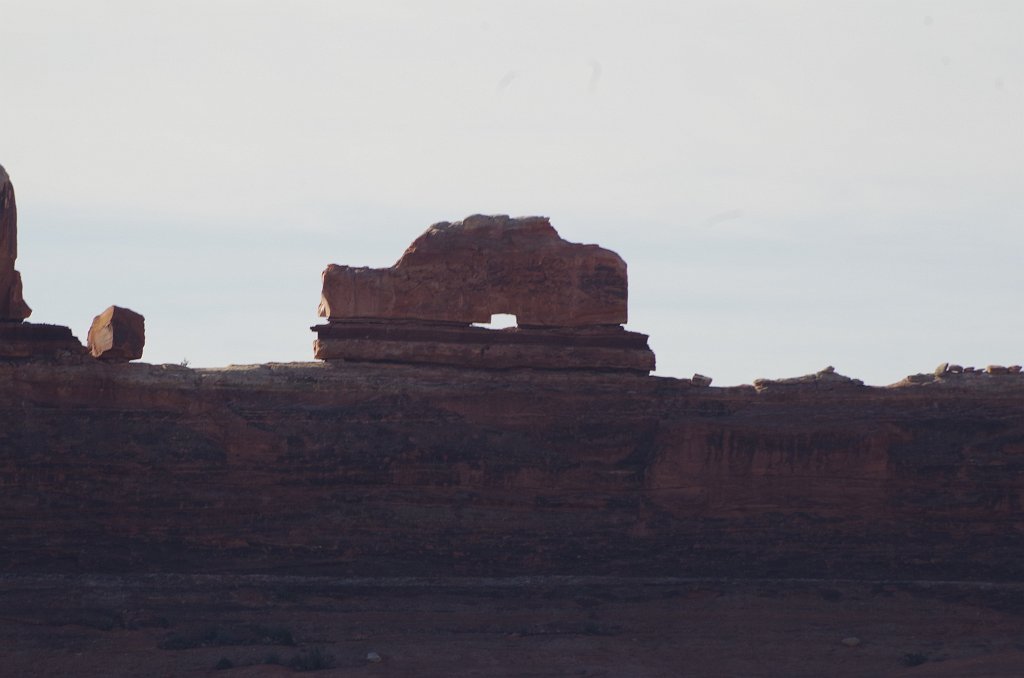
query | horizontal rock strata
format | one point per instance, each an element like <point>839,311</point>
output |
<point>569,301</point>
<point>609,348</point>
<point>36,341</point>
<point>352,469</point>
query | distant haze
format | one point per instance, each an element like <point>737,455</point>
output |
<point>793,184</point>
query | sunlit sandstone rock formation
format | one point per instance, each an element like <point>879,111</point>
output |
<point>466,271</point>
<point>18,339</point>
<point>569,299</point>
<point>12,305</point>
<point>117,335</point>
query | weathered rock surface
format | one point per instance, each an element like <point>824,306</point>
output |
<point>467,271</point>
<point>12,305</point>
<point>606,348</point>
<point>825,379</point>
<point>569,301</point>
<point>387,470</point>
<point>700,380</point>
<point>20,340</point>
<point>35,341</point>
<point>118,335</point>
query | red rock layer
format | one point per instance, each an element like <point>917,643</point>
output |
<point>607,348</point>
<point>31,341</point>
<point>118,335</point>
<point>467,271</point>
<point>394,470</point>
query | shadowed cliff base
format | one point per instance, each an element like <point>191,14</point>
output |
<point>230,625</point>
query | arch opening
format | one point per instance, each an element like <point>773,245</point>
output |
<point>499,321</point>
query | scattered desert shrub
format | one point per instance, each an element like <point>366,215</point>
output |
<point>220,636</point>
<point>314,659</point>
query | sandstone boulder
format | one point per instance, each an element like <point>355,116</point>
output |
<point>117,335</point>
<point>12,305</point>
<point>467,271</point>
<point>700,380</point>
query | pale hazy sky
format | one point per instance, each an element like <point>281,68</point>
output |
<point>793,184</point>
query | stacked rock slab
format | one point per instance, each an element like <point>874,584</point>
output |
<point>117,335</point>
<point>570,301</point>
<point>18,339</point>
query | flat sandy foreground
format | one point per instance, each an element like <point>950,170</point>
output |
<point>233,626</point>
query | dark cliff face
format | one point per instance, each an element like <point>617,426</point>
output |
<point>388,470</point>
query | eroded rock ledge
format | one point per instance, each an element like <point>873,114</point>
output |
<point>397,470</point>
<point>20,340</point>
<point>569,301</point>
<point>602,348</point>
